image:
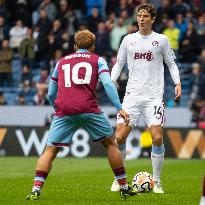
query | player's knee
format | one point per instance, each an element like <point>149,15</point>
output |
<point>108,142</point>
<point>120,140</point>
<point>157,140</point>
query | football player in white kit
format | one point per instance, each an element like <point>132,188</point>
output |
<point>144,52</point>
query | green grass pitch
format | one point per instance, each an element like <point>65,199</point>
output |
<point>87,182</point>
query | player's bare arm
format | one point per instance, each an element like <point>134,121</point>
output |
<point>178,91</point>
<point>125,116</point>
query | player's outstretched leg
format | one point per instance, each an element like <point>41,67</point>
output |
<point>116,163</point>
<point>43,167</point>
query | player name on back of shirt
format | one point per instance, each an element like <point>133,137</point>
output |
<point>78,55</point>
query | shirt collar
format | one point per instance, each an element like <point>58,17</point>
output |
<point>82,51</point>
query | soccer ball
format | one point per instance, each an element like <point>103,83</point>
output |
<point>143,182</point>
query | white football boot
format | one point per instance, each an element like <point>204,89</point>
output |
<point>115,186</point>
<point>158,188</point>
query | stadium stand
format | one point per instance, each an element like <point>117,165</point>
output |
<point>40,32</point>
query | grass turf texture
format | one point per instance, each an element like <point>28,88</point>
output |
<point>87,181</point>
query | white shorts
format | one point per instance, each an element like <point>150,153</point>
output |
<point>152,110</point>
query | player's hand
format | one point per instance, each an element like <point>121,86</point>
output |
<point>125,116</point>
<point>178,91</point>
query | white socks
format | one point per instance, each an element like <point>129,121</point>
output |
<point>157,164</point>
<point>36,188</point>
<point>202,202</point>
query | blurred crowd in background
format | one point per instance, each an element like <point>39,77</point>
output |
<point>34,34</point>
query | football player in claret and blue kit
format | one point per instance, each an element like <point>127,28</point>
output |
<point>72,94</point>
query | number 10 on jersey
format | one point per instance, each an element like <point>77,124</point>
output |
<point>68,75</point>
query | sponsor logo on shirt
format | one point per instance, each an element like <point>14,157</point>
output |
<point>147,56</point>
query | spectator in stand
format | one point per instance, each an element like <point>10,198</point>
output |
<point>53,45</point>
<point>6,55</point>
<point>3,9</point>
<point>93,20</point>
<point>50,9</point>
<point>4,30</point>
<point>22,12</point>
<point>44,23</point>
<point>164,11</point>
<point>26,77</point>
<point>198,112</point>
<point>42,88</point>
<point>40,97</point>
<point>201,123</point>
<point>172,34</point>
<point>17,34</point>
<point>27,49</point>
<point>123,6</point>
<point>126,19</point>
<point>2,99</point>
<point>181,24</point>
<point>102,42</point>
<point>202,39</point>
<point>116,34</point>
<point>61,14</point>
<point>189,18</point>
<point>197,96</point>
<point>66,43</point>
<point>43,80</point>
<point>46,48</point>
<point>28,91</point>
<point>201,60</point>
<point>72,22</point>
<point>162,26</point>
<point>200,26</point>
<point>35,12</point>
<point>180,7</point>
<point>21,100</point>
<point>99,5</point>
<point>132,5</point>
<point>189,46</point>
<point>111,21</point>
<point>57,31</point>
<point>57,55</point>
<point>110,6</point>
<point>195,81</point>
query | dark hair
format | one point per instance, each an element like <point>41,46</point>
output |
<point>149,8</point>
